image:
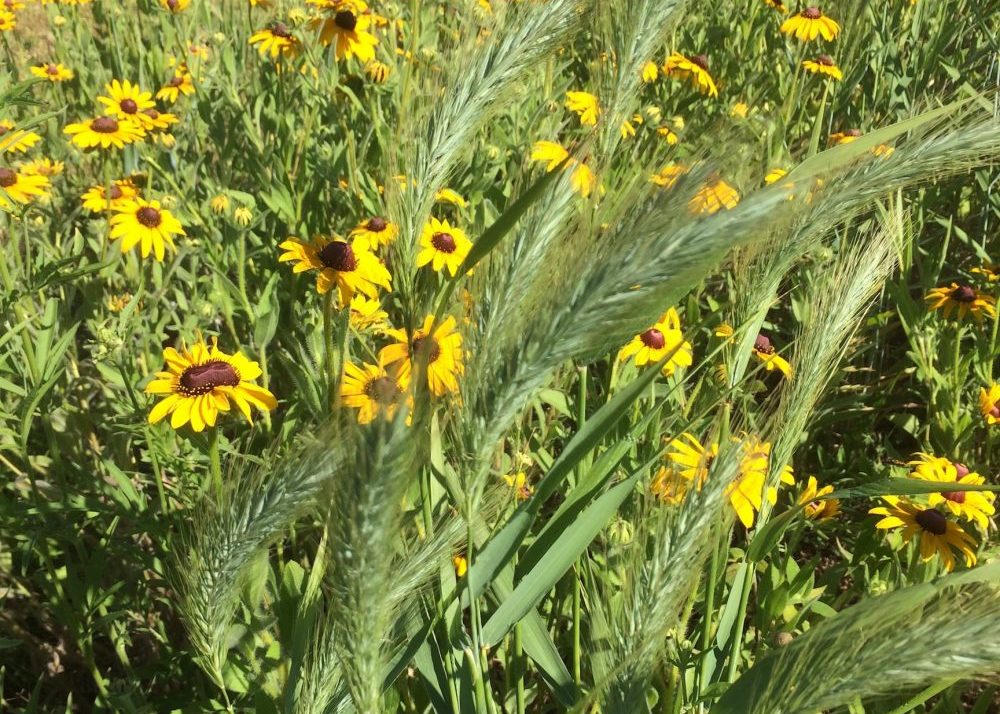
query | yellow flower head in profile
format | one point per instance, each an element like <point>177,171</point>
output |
<point>976,506</point>
<point>200,383</point>
<point>21,187</point>
<point>963,300</point>
<point>766,353</point>
<point>582,179</point>
<point>740,110</point>
<point>810,24</point>
<point>95,201</point>
<point>367,314</point>
<point>175,6</point>
<point>346,26</point>
<point>276,40</point>
<point>461,566</point>
<point>989,403</point>
<point>715,195</point>
<point>778,5</point>
<point>53,71</point>
<point>935,533</point>
<point>105,132</point>
<point>43,167</point>
<point>845,137</point>
<point>127,101</point>
<point>243,215</point>
<point>8,21</point>
<point>146,224</point>
<point>378,72</point>
<point>816,507</point>
<point>372,390</point>
<point>667,176</point>
<point>180,83</point>
<point>662,339</point>
<point>376,232</point>
<point>693,68</point>
<point>448,195</point>
<point>219,204</point>
<point>774,175</point>
<point>350,267</point>
<point>443,246</point>
<point>650,71</point>
<point>519,484</point>
<point>823,64</point>
<point>584,105</point>
<point>989,271</point>
<point>440,346</point>
<point>14,140</point>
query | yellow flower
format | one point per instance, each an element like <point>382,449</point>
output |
<point>765,352</point>
<point>461,566</point>
<point>816,507</point>
<point>935,533</point>
<point>650,71</point>
<point>243,215</point>
<point>146,224</point>
<point>128,102</point>
<point>774,175</point>
<point>714,196</point>
<point>351,267</point>
<point>43,167</point>
<point>180,83</point>
<point>724,330</point>
<point>667,176</point>
<point>346,26</point>
<point>810,24</point>
<point>156,121</point>
<point>778,5</point>
<point>53,72</point>
<point>990,272</point>
<point>13,140</point>
<point>989,403</point>
<point>175,6</point>
<point>376,231</point>
<point>276,39</point>
<point>669,486</point>
<point>200,383</point>
<point>668,134</point>
<point>747,492</point>
<point>8,21</point>
<point>823,64</point>
<point>367,314</point>
<point>963,300</point>
<point>582,179</point>
<point>662,339</point>
<point>21,187</point>
<point>584,105</point>
<point>739,110</point>
<point>378,72</point>
<point>105,132</point>
<point>845,137</point>
<point>219,204</point>
<point>443,246</point>
<point>976,506</point>
<point>372,390</point>
<point>694,68</point>
<point>519,484</point>
<point>447,195</point>
<point>121,190</point>
<point>440,346</point>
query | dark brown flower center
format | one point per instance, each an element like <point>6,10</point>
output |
<point>428,344</point>
<point>3,130</point>
<point>955,496</point>
<point>176,81</point>
<point>932,521</point>
<point>825,60</point>
<point>443,242</point>
<point>812,13</point>
<point>701,61</point>
<point>52,69</point>
<point>172,4</point>
<point>963,293</point>
<point>104,125</point>
<point>383,390</point>
<point>129,106</point>
<point>7,177</point>
<point>763,344</point>
<point>653,339</point>
<point>148,216</point>
<point>346,20</point>
<point>115,193</point>
<point>995,412</point>
<point>152,114</point>
<point>961,470</point>
<point>377,225</point>
<point>338,256</point>
<point>203,378</point>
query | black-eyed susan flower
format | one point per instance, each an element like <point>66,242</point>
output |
<point>715,195</point>
<point>378,72</point>
<point>774,175</point>
<point>935,533</point>
<point>845,137</point>
<point>669,486</point>
<point>346,26</point>
<point>693,68</point>
<point>667,176</point>
<point>814,505</point>
<point>440,346</point>
<point>127,101</point>
<point>449,195</point>
<point>691,460</point>
<point>180,83</point>
<point>650,71</point>
<point>764,351</point>
<point>12,5</point>
<point>8,21</point>
<point>443,246</point>
<point>105,132</point>
<point>95,200</point>
<point>373,390</point>
<point>662,339</point>
<point>584,105</point>
<point>203,381</point>
<point>52,71</point>
<point>156,121</point>
<point>777,5</point>
<point>21,187</point>
<point>740,110</point>
<point>367,314</point>
<point>350,267</point>
<point>146,224</point>
<point>963,300</point>
<point>809,24</point>
<point>990,272</point>
<point>175,6</point>
<point>668,135</point>
<point>276,40</point>
<point>519,485</point>
<point>42,167</point>
<point>989,403</point>
<point>823,64</point>
<point>976,506</point>
<point>14,140</point>
<point>219,204</point>
<point>376,232</point>
<point>582,179</point>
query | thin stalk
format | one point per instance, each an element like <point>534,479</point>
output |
<point>918,699</point>
<point>214,461</point>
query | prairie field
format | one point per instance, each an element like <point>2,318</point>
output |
<point>500,356</point>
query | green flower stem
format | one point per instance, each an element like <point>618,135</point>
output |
<point>214,461</point>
